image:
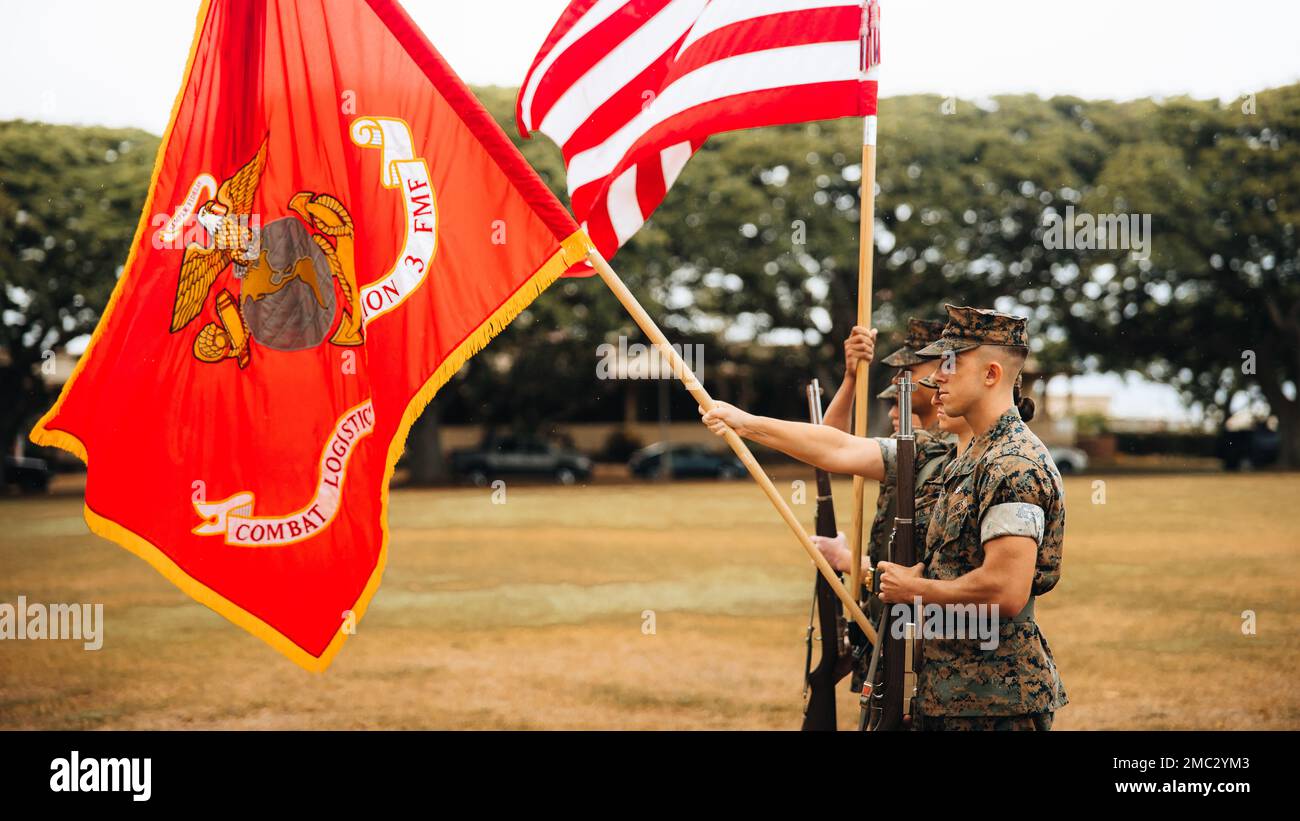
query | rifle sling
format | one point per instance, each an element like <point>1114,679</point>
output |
<point>928,470</point>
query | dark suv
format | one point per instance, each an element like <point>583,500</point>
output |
<point>1249,449</point>
<point>688,462</point>
<point>29,474</point>
<point>520,456</point>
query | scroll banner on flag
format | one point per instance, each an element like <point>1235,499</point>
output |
<point>334,225</point>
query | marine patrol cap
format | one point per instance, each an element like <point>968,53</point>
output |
<point>920,332</point>
<point>892,391</point>
<point>969,328</point>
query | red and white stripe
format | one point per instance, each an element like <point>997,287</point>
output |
<point>630,89</point>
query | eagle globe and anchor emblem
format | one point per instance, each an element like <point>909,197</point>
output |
<point>286,272</point>
<point>296,287</point>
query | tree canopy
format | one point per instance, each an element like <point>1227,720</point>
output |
<point>754,251</point>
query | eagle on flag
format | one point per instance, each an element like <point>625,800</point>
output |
<point>338,275</point>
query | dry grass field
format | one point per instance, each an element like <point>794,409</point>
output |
<point>529,615</point>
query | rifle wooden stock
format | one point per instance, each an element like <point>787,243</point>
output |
<point>902,551</point>
<point>888,701</point>
<point>836,660</point>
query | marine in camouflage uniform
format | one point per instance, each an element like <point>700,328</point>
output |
<point>1003,484</point>
<point>934,449</point>
<point>930,444</point>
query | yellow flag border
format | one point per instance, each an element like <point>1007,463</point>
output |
<point>573,249</point>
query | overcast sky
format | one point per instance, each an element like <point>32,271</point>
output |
<point>119,63</point>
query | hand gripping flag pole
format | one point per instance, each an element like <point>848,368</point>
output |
<point>684,373</point>
<point>866,259</point>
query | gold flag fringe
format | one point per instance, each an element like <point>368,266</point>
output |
<point>573,249</point>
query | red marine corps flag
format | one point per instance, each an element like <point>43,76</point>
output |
<point>333,227</point>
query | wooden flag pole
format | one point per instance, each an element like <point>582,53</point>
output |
<point>683,372</point>
<point>866,260</point>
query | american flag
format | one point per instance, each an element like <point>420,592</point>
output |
<point>630,89</point>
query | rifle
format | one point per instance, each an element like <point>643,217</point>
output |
<point>836,658</point>
<point>896,658</point>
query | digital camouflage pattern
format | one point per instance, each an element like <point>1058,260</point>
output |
<point>927,498</point>
<point>1005,464</point>
<point>1037,722</point>
<point>920,332</point>
<point>934,450</point>
<point>971,327</point>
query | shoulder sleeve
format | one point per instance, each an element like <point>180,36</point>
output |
<point>889,455</point>
<point>1014,500</point>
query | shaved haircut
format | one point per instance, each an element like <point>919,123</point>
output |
<point>1010,357</point>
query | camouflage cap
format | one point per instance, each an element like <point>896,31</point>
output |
<point>969,328</point>
<point>920,332</point>
<point>892,391</point>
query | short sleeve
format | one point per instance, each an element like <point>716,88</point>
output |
<point>1013,519</point>
<point>1015,499</point>
<point>889,455</point>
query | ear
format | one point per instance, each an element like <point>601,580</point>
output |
<point>993,372</point>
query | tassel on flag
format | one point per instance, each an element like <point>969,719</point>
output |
<point>871,36</point>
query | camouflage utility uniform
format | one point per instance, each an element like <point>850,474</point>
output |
<point>934,449</point>
<point>930,445</point>
<point>1004,484</point>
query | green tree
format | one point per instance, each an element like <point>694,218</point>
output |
<point>69,202</point>
<point>1215,311</point>
<point>754,252</point>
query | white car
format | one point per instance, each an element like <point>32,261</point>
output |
<point>1069,460</point>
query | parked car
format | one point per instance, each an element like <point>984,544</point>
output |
<point>31,475</point>
<point>688,462</point>
<point>1249,449</point>
<point>520,456</point>
<point>1069,460</point>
